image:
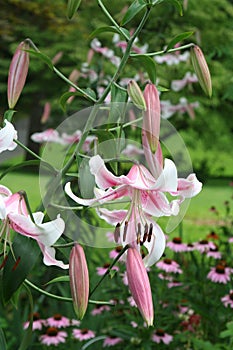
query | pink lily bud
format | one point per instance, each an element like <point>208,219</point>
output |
<point>139,285</point>
<point>17,73</point>
<point>151,119</point>
<point>79,280</point>
<point>136,95</point>
<point>201,69</point>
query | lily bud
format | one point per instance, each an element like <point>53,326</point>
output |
<point>136,95</point>
<point>72,7</point>
<point>17,73</point>
<point>201,69</point>
<point>151,119</point>
<point>79,280</point>
<point>139,285</point>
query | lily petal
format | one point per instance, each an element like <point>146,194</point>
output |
<point>167,181</point>
<point>156,247</point>
<point>7,135</point>
<point>49,257</point>
<point>189,187</point>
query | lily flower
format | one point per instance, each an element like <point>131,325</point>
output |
<point>14,214</point>
<point>7,136</point>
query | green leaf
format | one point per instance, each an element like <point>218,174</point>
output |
<point>86,180</point>
<point>18,266</point>
<point>111,29</point>
<point>177,39</point>
<point>8,115</point>
<point>178,5</point>
<point>133,10</point>
<point>2,340</point>
<point>68,94</point>
<point>228,332</point>
<point>59,279</point>
<point>72,7</point>
<point>26,341</point>
<point>150,66</point>
<point>28,163</point>
<point>42,57</point>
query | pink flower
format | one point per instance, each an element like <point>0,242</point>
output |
<point>176,245</point>
<point>83,334</point>
<point>228,299</point>
<point>58,321</point>
<point>189,78</point>
<point>174,283</point>
<point>171,59</point>
<point>204,246</point>
<point>14,214</point>
<point>37,323</point>
<point>219,274</point>
<point>7,136</point>
<point>169,265</point>
<point>161,337</point>
<point>49,135</point>
<point>230,240</point>
<point>99,309</point>
<point>53,337</point>
<point>214,253</point>
<point>114,253</point>
<point>103,269</point>
<point>139,285</point>
<point>111,341</point>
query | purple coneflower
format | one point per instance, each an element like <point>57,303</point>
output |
<point>37,322</point>
<point>169,265</point>
<point>219,274</point>
<point>174,284</point>
<point>83,334</point>
<point>102,269</point>
<point>115,252</point>
<point>111,341</point>
<point>176,245</point>
<point>58,321</point>
<point>228,299</point>
<point>204,246</point>
<point>53,336</point>
<point>161,337</point>
<point>99,309</point>
<point>214,253</point>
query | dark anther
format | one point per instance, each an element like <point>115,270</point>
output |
<point>117,232</point>
<point>145,233</point>
<point>150,232</point>
<point>139,233</point>
<point>125,230</point>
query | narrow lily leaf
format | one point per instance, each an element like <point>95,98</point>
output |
<point>72,7</point>
<point>27,338</point>
<point>59,279</point>
<point>2,340</point>
<point>178,38</point>
<point>42,57</point>
<point>133,10</point>
<point>178,5</point>
<point>149,64</point>
<point>86,180</point>
<point>26,252</point>
<point>67,95</point>
<point>111,29</point>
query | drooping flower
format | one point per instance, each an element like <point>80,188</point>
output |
<point>111,341</point>
<point>101,270</point>
<point>7,136</point>
<point>53,337</point>
<point>147,199</point>
<point>176,245</point>
<point>227,300</point>
<point>99,309</point>
<point>139,285</point>
<point>58,321</point>
<point>219,274</point>
<point>79,280</point>
<point>169,265</point>
<point>160,336</point>
<point>83,334</point>
<point>214,253</point>
<point>204,246</point>
<point>14,214</point>
<point>37,322</point>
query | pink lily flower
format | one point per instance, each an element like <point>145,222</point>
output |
<point>14,214</point>
<point>7,136</point>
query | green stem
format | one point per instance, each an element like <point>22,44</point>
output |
<point>59,297</point>
<point>109,269</point>
<point>157,53</point>
<point>28,150</point>
<point>108,15</point>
